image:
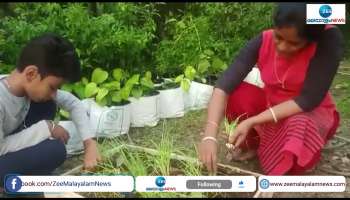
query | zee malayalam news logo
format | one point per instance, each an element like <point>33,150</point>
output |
<point>325,14</point>
<point>160,183</point>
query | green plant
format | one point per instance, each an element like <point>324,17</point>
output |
<point>222,28</point>
<point>191,168</point>
<point>134,163</point>
<point>143,87</point>
<point>98,88</point>
<point>109,91</point>
<point>64,115</point>
<point>126,29</point>
<point>105,89</point>
<point>234,24</point>
<point>161,161</point>
<point>186,78</point>
<point>209,65</point>
<point>6,69</point>
<point>231,126</point>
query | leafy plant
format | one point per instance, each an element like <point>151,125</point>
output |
<point>126,29</point>
<point>142,87</point>
<point>104,88</point>
<point>222,28</point>
<point>209,65</point>
<point>186,78</point>
<point>6,69</point>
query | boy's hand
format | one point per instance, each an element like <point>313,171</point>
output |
<point>58,132</point>
<point>92,156</point>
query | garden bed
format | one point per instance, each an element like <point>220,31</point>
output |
<point>180,165</point>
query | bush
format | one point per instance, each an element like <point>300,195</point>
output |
<point>119,38</point>
<point>220,27</point>
<point>162,38</point>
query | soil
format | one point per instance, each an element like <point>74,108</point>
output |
<point>168,86</point>
<point>122,103</point>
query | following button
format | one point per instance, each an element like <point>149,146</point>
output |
<point>209,184</point>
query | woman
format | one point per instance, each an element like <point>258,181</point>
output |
<point>287,122</point>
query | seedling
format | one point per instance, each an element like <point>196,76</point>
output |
<point>230,128</point>
<point>161,162</point>
<point>190,168</point>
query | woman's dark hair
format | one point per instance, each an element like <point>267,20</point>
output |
<point>294,14</point>
<point>53,55</point>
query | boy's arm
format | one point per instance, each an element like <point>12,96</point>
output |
<point>26,138</point>
<point>77,111</point>
<point>79,115</point>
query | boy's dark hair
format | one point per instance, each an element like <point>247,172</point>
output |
<point>294,14</point>
<point>53,55</point>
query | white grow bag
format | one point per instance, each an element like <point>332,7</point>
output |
<point>171,103</point>
<point>75,143</point>
<point>254,78</point>
<point>3,75</point>
<point>145,111</point>
<point>108,121</point>
<point>198,96</point>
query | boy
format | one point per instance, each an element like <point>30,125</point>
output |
<point>30,142</point>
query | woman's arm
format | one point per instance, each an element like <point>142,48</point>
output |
<point>322,69</point>
<point>277,112</point>
<point>281,111</point>
<point>230,79</point>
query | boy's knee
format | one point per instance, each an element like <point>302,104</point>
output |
<point>57,151</point>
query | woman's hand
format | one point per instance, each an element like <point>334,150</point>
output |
<point>208,155</point>
<point>241,132</point>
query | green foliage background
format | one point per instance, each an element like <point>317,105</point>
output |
<point>160,37</point>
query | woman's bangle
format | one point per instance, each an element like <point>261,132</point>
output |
<point>213,123</point>
<point>273,115</point>
<point>210,138</point>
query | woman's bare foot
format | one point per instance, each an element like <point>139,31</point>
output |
<point>238,154</point>
<point>310,171</point>
<point>266,195</point>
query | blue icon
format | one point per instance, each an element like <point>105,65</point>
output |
<point>264,184</point>
<point>160,181</point>
<point>13,184</point>
<point>325,11</point>
<point>241,184</point>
